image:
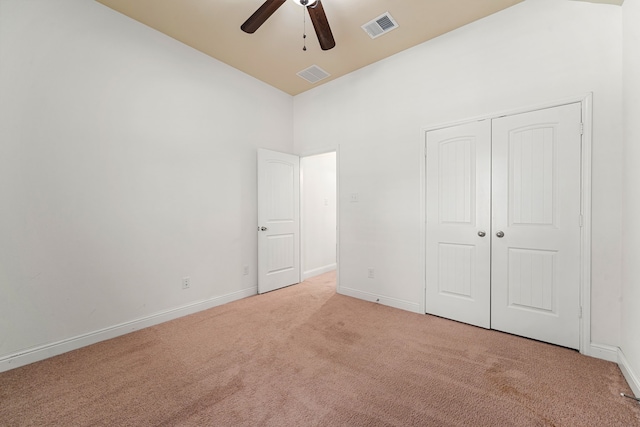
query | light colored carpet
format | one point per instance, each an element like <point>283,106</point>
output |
<point>304,356</point>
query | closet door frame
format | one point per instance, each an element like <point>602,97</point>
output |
<point>586,102</point>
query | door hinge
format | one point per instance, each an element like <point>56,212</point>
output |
<point>580,312</point>
<point>581,220</point>
<point>581,128</point>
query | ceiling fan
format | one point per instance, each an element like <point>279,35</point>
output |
<point>316,13</point>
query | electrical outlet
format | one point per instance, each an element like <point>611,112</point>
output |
<point>372,273</point>
<point>354,198</point>
<point>186,282</point>
<point>245,270</point>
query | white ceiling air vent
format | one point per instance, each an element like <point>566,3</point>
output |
<point>381,25</point>
<point>313,74</point>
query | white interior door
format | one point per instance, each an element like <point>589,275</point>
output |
<point>458,241</point>
<point>278,220</point>
<point>535,273</point>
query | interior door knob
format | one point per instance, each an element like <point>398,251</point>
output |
<point>500,234</point>
<point>263,228</point>
<point>481,233</point>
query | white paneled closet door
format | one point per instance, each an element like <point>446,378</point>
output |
<point>535,259</point>
<point>503,218</point>
<point>458,251</point>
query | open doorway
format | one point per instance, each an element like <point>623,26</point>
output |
<point>318,214</point>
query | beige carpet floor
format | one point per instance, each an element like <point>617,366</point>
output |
<point>305,356</point>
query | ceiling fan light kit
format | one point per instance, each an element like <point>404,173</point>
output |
<point>305,2</point>
<point>316,13</point>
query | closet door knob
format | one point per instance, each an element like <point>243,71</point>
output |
<point>500,234</point>
<point>481,233</point>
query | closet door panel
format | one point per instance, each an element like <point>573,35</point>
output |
<point>458,167</point>
<point>535,260</point>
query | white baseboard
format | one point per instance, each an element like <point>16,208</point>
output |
<point>320,270</point>
<point>603,351</point>
<point>392,302</point>
<point>615,354</point>
<point>631,376</point>
<point>45,351</point>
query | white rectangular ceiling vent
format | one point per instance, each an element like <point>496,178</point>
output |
<point>313,74</point>
<point>381,25</point>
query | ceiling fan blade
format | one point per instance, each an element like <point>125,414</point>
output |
<point>261,15</point>
<point>321,25</point>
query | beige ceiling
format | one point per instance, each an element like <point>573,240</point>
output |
<point>274,52</point>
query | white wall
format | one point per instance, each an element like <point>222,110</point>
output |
<point>630,344</point>
<point>533,53</point>
<point>127,161</point>
<point>318,214</point>
<point>379,222</point>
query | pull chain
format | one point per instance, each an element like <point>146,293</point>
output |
<point>304,29</point>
